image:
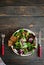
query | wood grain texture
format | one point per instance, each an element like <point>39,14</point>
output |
<point>22,11</point>
<point>21,2</point>
<point>13,18</point>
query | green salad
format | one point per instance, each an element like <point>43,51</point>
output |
<point>25,41</point>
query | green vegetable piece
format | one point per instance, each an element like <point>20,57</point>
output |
<point>17,45</point>
<point>21,30</point>
<point>25,46</point>
<point>27,34</point>
<point>22,35</point>
<point>25,51</point>
<point>30,46</point>
<point>15,34</point>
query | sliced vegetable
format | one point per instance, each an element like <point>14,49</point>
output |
<point>20,51</point>
<point>30,40</point>
<point>22,40</point>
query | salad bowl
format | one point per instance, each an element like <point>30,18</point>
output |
<point>23,42</point>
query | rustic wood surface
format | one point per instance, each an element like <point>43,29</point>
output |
<point>21,2</point>
<point>22,10</point>
<point>16,17</point>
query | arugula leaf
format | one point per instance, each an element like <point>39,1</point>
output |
<point>21,30</point>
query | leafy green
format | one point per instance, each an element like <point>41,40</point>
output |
<point>17,34</point>
<point>21,30</point>
<point>30,46</point>
<point>18,45</point>
<point>25,50</point>
<point>25,45</point>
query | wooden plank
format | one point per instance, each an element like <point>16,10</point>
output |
<point>21,2</point>
<point>22,11</point>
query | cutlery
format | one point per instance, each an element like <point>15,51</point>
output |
<point>39,46</point>
<point>3,36</point>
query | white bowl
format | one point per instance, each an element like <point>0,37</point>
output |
<point>29,53</point>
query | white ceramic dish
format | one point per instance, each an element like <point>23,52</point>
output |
<point>29,53</point>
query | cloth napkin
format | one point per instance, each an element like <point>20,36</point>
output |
<point>1,62</point>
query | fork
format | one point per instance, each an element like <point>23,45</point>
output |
<point>3,36</point>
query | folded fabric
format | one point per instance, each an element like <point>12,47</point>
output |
<point>1,62</point>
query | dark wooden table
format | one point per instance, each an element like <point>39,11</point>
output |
<point>16,17</point>
<point>21,2</point>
